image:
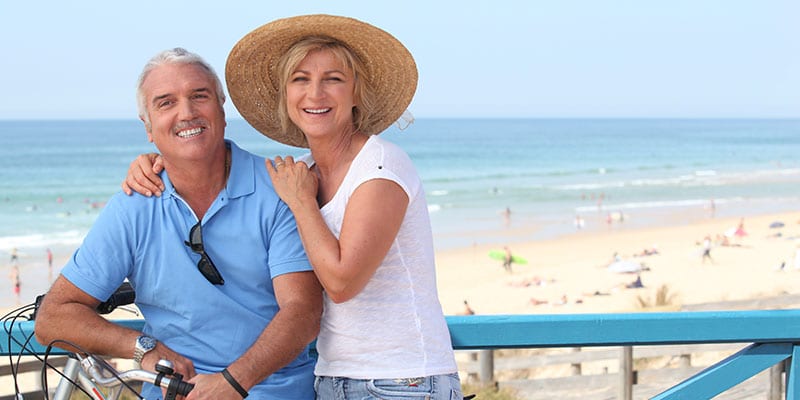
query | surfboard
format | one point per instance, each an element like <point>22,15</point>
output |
<point>501,255</point>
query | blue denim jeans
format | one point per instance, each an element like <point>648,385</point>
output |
<point>436,387</point>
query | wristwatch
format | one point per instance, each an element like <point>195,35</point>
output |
<point>144,344</point>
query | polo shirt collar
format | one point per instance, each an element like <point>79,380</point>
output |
<point>241,180</point>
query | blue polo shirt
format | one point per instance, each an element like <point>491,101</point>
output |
<point>250,235</point>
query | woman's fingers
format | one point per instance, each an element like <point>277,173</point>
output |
<point>143,175</point>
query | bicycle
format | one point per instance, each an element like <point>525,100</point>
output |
<point>88,373</point>
<point>85,372</point>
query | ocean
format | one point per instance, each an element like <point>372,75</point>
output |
<point>486,180</point>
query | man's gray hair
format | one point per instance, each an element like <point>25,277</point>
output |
<point>177,55</point>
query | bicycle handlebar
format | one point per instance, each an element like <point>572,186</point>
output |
<point>124,295</point>
<point>105,375</point>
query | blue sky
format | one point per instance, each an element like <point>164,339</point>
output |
<point>526,58</point>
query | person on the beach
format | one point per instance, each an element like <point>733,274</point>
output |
<point>13,275</point>
<point>636,284</point>
<point>14,256</point>
<point>220,275</point>
<point>508,258</point>
<point>707,249</point>
<point>332,84</point>
<point>467,310</point>
<point>49,266</point>
<point>740,232</point>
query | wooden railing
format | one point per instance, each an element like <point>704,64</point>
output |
<point>772,337</point>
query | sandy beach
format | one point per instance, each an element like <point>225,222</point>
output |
<point>570,274</point>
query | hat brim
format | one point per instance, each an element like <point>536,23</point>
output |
<point>251,76</point>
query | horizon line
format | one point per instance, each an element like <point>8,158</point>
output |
<point>239,118</point>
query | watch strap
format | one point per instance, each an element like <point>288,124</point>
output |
<point>139,351</point>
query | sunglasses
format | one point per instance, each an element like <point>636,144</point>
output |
<point>205,265</point>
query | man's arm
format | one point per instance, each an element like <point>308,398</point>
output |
<point>294,326</point>
<point>67,313</point>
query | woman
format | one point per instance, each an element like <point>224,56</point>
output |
<point>331,84</point>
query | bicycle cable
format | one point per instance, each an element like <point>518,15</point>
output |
<point>16,313</point>
<point>81,350</point>
<point>12,317</point>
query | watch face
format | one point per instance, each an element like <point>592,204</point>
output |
<point>147,343</point>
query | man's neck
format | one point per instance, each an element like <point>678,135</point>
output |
<point>199,184</point>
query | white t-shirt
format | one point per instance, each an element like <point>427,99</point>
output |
<point>395,327</point>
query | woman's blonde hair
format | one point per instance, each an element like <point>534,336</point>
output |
<point>364,117</point>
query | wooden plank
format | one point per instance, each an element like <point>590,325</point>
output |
<point>33,365</point>
<point>520,362</point>
<point>766,303</point>
<point>26,395</point>
<point>603,386</point>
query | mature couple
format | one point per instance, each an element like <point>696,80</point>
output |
<point>240,262</point>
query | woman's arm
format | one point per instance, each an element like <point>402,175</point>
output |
<point>372,219</point>
<point>143,175</point>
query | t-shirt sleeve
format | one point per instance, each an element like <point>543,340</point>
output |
<point>384,160</point>
<point>104,259</point>
<point>286,252</point>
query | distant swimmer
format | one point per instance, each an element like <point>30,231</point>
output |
<point>579,222</point>
<point>507,216</point>
<point>14,256</point>
<point>49,265</point>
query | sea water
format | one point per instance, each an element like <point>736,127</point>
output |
<point>486,180</point>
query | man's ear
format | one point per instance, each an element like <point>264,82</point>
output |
<point>147,129</point>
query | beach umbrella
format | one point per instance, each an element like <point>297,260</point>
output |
<point>776,224</point>
<point>625,266</point>
<point>730,232</point>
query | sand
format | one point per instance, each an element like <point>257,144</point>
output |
<point>562,275</point>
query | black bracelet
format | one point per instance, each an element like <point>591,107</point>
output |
<point>228,377</point>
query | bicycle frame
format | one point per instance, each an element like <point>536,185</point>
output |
<point>74,375</point>
<point>94,374</point>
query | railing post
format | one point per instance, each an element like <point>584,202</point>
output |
<point>776,381</point>
<point>486,361</point>
<point>685,360</point>
<point>789,373</point>
<point>575,368</point>
<point>473,376</point>
<point>626,373</point>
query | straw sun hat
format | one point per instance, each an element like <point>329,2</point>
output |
<point>253,82</point>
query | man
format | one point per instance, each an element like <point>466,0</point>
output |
<point>217,264</point>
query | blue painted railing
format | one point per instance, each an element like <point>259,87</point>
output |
<point>774,336</point>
